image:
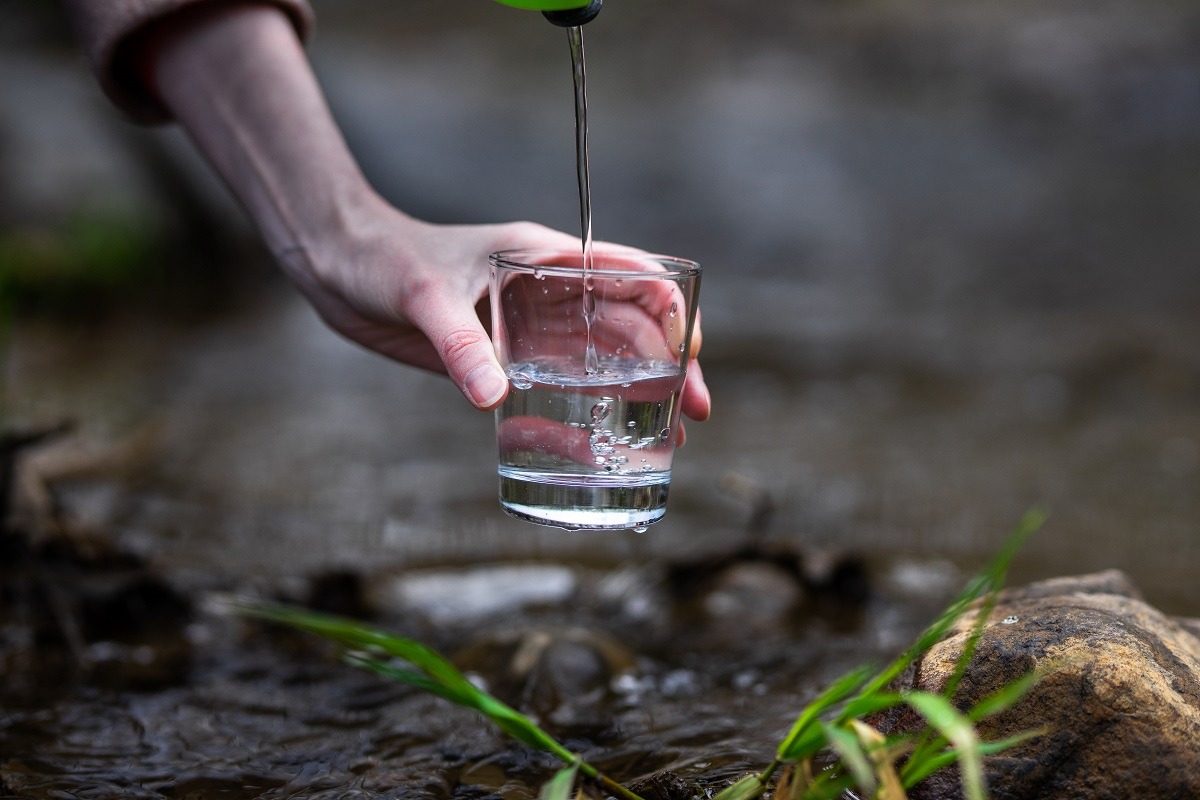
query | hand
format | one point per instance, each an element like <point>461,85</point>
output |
<point>417,293</point>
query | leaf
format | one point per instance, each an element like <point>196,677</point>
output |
<point>943,716</point>
<point>948,757</point>
<point>995,572</point>
<point>747,788</point>
<point>883,758</point>
<point>1005,698</point>
<point>872,704</point>
<point>789,786</point>
<point>992,576</point>
<point>842,688</point>
<point>559,787</point>
<point>850,751</point>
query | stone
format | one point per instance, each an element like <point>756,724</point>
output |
<point>457,596</point>
<point>1120,700</point>
<point>550,672</point>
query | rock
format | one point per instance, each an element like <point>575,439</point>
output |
<point>467,595</point>
<point>753,592</point>
<point>666,785</point>
<point>1121,699</point>
<point>548,671</point>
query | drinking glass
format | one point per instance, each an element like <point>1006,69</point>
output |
<point>596,359</point>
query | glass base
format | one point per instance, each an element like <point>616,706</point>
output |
<point>584,502</point>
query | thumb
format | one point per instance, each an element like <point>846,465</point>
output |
<point>466,351</point>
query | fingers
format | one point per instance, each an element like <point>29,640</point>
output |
<point>697,401</point>
<point>697,339</point>
<point>453,327</point>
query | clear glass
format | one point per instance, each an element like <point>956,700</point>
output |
<point>596,364</point>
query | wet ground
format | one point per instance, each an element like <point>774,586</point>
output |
<point>951,272</point>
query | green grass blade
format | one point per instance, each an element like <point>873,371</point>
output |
<point>747,788</point>
<point>829,788</point>
<point>559,787</point>
<point>948,757</point>
<point>433,672</point>
<point>931,636</point>
<point>842,688</point>
<point>996,572</point>
<point>850,751</point>
<point>355,636</point>
<point>991,577</point>
<point>521,728</point>
<point>944,717</point>
<point>873,704</point>
<point>1005,698</point>
<point>397,673</point>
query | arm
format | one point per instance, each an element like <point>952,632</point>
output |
<point>236,77</point>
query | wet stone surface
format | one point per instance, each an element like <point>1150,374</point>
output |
<point>1119,700</point>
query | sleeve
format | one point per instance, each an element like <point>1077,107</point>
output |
<point>110,29</point>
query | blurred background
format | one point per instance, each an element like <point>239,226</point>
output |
<point>952,270</point>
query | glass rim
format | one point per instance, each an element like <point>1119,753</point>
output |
<point>518,261</point>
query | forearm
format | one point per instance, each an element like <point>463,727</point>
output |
<point>238,80</point>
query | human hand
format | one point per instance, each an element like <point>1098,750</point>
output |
<point>417,293</point>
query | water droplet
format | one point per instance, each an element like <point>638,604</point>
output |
<point>545,290</point>
<point>681,347</point>
<point>521,380</point>
<point>631,424</point>
<point>537,273</point>
<point>1010,620</point>
<point>664,434</point>
<point>617,282</point>
<point>641,529</point>
<point>600,459</point>
<point>674,309</point>
<point>626,385</point>
<point>599,411</point>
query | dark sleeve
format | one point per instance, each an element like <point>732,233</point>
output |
<point>109,31</point>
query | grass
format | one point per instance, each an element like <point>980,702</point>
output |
<point>831,748</point>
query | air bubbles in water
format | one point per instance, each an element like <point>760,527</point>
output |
<point>520,380</point>
<point>664,434</point>
<point>674,309</point>
<point>599,411</point>
<point>641,529</point>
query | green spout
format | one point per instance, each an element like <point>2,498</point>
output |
<point>546,5</point>
<point>564,13</point>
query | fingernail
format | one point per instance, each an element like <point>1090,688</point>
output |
<point>486,385</point>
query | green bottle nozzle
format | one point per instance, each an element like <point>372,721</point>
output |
<point>564,13</point>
